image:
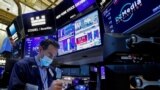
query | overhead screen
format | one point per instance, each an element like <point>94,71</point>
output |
<point>39,23</point>
<point>12,31</point>
<point>123,16</point>
<point>15,29</point>
<point>32,45</point>
<point>81,34</point>
<point>71,8</point>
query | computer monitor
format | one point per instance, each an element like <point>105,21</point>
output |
<point>125,16</point>
<point>84,70</point>
<point>32,44</point>
<point>80,34</point>
<point>12,31</point>
<point>39,23</point>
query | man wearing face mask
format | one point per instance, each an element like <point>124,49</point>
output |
<point>36,73</point>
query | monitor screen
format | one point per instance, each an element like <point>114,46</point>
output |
<point>39,23</point>
<point>83,4</point>
<point>65,71</point>
<point>81,34</point>
<point>70,71</point>
<point>13,32</point>
<point>74,71</point>
<point>32,44</point>
<point>84,70</point>
<point>123,16</point>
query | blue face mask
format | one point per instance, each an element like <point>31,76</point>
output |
<point>45,61</point>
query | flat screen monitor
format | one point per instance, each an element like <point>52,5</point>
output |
<point>39,23</point>
<point>80,34</point>
<point>58,73</point>
<point>84,70</point>
<point>70,71</point>
<point>32,45</point>
<point>13,32</point>
<point>65,71</point>
<point>124,16</point>
<point>74,71</point>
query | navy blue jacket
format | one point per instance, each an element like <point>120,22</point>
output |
<point>27,71</point>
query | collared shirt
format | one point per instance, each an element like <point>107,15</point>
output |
<point>43,74</point>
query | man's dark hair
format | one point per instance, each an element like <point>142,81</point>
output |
<point>45,43</point>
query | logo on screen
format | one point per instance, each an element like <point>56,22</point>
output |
<point>38,20</point>
<point>35,49</point>
<point>127,11</point>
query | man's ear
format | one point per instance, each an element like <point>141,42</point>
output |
<point>40,54</point>
<point>40,49</point>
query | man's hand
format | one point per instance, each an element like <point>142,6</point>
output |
<point>56,85</point>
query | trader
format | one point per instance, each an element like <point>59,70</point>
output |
<point>36,73</point>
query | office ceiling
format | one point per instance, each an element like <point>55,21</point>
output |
<point>9,9</point>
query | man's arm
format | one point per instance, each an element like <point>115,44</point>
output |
<point>17,78</point>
